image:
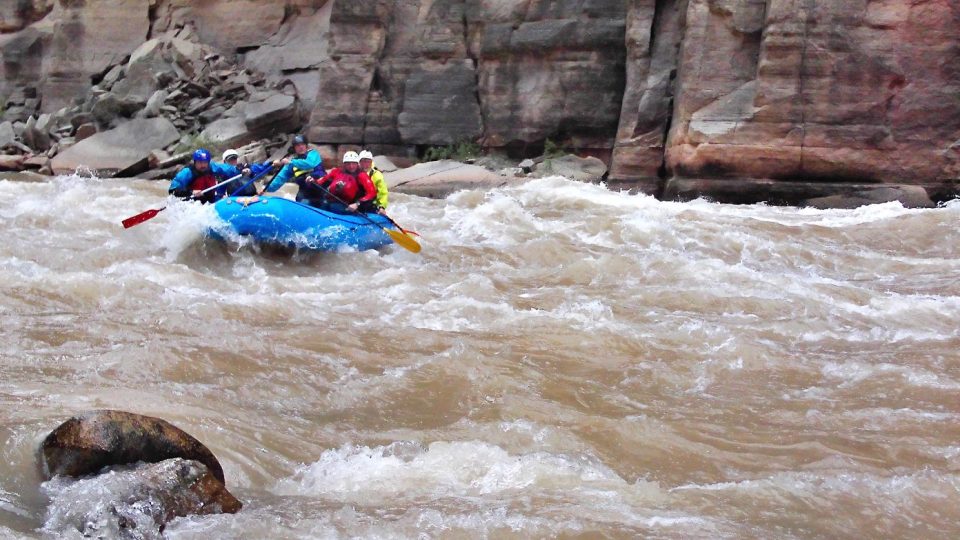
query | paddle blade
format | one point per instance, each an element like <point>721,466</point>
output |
<point>141,217</point>
<point>405,241</point>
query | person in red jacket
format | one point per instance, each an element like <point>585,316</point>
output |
<point>347,186</point>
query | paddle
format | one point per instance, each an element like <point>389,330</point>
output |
<point>397,225</point>
<point>255,178</point>
<point>400,237</point>
<point>150,214</point>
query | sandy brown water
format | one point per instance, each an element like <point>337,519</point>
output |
<point>560,361</point>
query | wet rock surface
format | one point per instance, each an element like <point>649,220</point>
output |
<point>87,443</point>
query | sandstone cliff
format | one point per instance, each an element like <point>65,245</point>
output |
<point>788,90</point>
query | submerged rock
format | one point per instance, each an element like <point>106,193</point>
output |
<point>87,443</point>
<point>135,502</point>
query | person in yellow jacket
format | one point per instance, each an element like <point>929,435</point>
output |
<point>379,204</point>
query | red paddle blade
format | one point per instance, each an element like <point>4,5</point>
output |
<point>141,217</point>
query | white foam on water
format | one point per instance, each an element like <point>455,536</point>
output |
<point>103,506</point>
<point>576,493</point>
<point>8,503</point>
<point>469,468</point>
<point>850,373</point>
<point>186,224</point>
<point>718,315</point>
<point>893,495</point>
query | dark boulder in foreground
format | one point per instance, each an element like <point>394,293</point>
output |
<point>135,502</point>
<point>87,443</point>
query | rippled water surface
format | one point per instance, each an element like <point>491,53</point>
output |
<point>560,361</point>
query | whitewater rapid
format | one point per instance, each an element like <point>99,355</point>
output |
<point>560,360</point>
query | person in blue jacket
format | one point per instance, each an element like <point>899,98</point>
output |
<point>202,173</point>
<point>305,162</point>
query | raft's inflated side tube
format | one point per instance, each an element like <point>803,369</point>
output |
<point>279,221</point>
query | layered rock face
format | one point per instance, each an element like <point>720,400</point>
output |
<point>816,90</point>
<point>509,74</point>
<point>800,90</point>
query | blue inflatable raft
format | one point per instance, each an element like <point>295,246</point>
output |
<point>279,221</point>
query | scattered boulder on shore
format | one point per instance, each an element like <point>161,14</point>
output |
<point>203,96</point>
<point>11,162</point>
<point>118,149</point>
<point>588,169</point>
<point>385,164</point>
<point>87,443</point>
<point>441,178</point>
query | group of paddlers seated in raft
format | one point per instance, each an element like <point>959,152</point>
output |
<point>355,186</point>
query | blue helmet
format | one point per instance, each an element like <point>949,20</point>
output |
<point>299,139</point>
<point>201,155</point>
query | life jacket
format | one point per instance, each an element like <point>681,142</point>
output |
<point>346,186</point>
<point>343,186</point>
<point>202,180</point>
<point>316,172</point>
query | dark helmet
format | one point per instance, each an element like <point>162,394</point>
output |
<point>202,155</point>
<point>299,139</point>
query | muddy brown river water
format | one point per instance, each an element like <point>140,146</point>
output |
<point>560,361</point>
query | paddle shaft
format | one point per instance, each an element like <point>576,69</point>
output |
<point>343,202</point>
<point>150,214</point>
<point>254,179</point>
<point>225,182</point>
<point>397,225</point>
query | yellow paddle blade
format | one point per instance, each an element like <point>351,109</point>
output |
<point>405,241</point>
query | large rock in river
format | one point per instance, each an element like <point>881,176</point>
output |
<point>118,149</point>
<point>135,502</point>
<point>87,443</point>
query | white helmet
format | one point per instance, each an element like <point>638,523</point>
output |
<point>231,153</point>
<point>366,154</point>
<point>351,157</point>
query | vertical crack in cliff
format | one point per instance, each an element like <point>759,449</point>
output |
<point>375,85</point>
<point>476,66</point>
<point>809,6</point>
<point>659,18</point>
<point>658,10</point>
<point>151,18</point>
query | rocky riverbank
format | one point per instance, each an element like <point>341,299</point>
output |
<point>736,100</point>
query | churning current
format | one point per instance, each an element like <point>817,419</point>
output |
<point>560,360</point>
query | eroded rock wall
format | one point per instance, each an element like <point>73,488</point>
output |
<point>808,90</point>
<point>819,90</point>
